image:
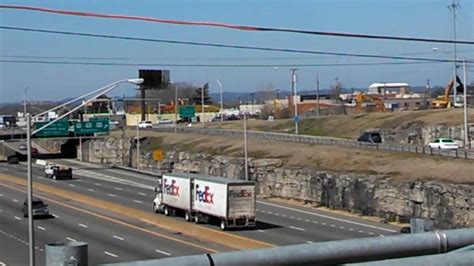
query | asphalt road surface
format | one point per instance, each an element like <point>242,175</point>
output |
<point>279,223</point>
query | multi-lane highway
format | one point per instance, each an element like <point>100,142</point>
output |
<point>133,233</point>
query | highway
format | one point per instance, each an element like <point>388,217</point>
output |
<point>280,223</point>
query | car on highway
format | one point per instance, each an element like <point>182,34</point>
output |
<point>371,137</point>
<point>443,144</point>
<point>145,124</point>
<point>39,208</point>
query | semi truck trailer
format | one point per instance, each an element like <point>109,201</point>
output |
<point>203,199</point>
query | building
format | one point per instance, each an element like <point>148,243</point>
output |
<point>389,88</point>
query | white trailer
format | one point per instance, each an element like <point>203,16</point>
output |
<point>231,201</point>
<point>174,195</point>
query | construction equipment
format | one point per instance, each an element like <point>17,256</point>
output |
<point>443,100</point>
<point>369,98</point>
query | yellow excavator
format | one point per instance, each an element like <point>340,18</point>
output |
<point>443,100</point>
<point>368,98</point>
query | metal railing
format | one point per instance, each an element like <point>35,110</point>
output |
<point>320,140</point>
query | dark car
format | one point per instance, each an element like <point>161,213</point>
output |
<point>371,137</point>
<point>38,208</point>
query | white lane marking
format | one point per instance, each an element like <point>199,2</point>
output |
<point>332,225</point>
<point>269,212</point>
<point>351,229</point>
<point>297,228</point>
<point>260,230</point>
<point>360,231</point>
<point>112,179</point>
<point>262,211</point>
<point>370,233</point>
<point>71,185</point>
<point>90,189</point>
<point>71,239</point>
<point>110,254</point>
<point>97,184</point>
<point>309,242</point>
<point>15,200</point>
<point>163,252</point>
<point>382,235</point>
<point>117,188</point>
<point>328,217</point>
<point>17,218</point>
<point>1,195</point>
<point>144,194</point>
<point>315,222</point>
<point>138,201</point>
<point>283,215</point>
<point>111,195</point>
<point>82,225</point>
<point>118,237</point>
<point>1,210</point>
<point>55,215</point>
<point>341,227</point>
<point>307,220</point>
<point>299,219</point>
<point>323,223</point>
<point>292,217</point>
<point>41,228</point>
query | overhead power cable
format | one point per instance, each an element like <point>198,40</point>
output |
<point>206,65</point>
<point>243,47</point>
<point>231,26</point>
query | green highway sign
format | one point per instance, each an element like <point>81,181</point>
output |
<point>187,111</point>
<point>57,129</point>
<point>95,126</point>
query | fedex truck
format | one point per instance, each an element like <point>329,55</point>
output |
<point>230,202</point>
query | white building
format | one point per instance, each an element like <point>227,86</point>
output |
<point>389,88</point>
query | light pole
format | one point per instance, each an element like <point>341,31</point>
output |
<point>246,170</point>
<point>103,90</point>
<point>202,106</point>
<point>222,102</point>
<point>293,89</point>
<point>138,145</point>
<point>466,129</point>
<point>317,94</point>
<point>24,102</point>
<point>175,108</point>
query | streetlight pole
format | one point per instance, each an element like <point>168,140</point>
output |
<point>138,146</point>
<point>293,89</point>
<point>24,102</point>
<point>202,106</point>
<point>31,235</point>
<point>109,87</point>
<point>175,108</point>
<point>466,129</point>
<point>317,94</point>
<point>246,170</point>
<point>222,103</point>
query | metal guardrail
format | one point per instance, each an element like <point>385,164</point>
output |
<point>459,153</point>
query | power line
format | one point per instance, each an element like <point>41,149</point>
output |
<point>230,26</point>
<point>201,59</point>
<point>222,45</point>
<point>207,65</point>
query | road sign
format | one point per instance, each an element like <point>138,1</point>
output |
<point>187,111</point>
<point>158,155</point>
<point>98,126</point>
<point>297,119</point>
<point>57,129</point>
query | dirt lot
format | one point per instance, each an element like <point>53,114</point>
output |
<point>401,166</point>
<point>351,126</point>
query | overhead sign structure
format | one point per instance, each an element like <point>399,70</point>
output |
<point>96,126</point>
<point>57,129</point>
<point>187,111</point>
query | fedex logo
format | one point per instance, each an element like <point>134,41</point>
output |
<point>171,189</point>
<point>204,196</point>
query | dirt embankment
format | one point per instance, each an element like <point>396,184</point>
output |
<point>400,166</point>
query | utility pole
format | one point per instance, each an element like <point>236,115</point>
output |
<point>428,92</point>
<point>31,231</point>
<point>202,106</point>
<point>138,146</point>
<point>222,103</point>
<point>246,170</point>
<point>251,97</point>
<point>24,102</point>
<point>294,93</point>
<point>175,108</point>
<point>453,7</point>
<point>466,129</point>
<point>317,95</point>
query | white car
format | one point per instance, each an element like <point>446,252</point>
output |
<point>145,124</point>
<point>444,144</point>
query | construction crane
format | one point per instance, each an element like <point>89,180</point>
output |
<point>368,98</point>
<point>443,100</point>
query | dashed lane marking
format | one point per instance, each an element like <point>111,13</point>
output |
<point>41,228</point>
<point>341,227</point>
<point>309,242</point>
<point>118,237</point>
<point>297,228</point>
<point>163,252</point>
<point>332,225</point>
<point>110,254</point>
<point>327,216</point>
<point>260,230</point>
<point>351,229</point>
<point>72,185</point>
<point>55,215</point>
<point>17,218</point>
<point>315,222</point>
<point>97,184</point>
<point>90,189</point>
<point>138,201</point>
<point>118,188</point>
<point>111,195</point>
<point>360,231</point>
<point>71,239</point>
<point>82,225</point>
<point>15,200</point>
<point>371,233</point>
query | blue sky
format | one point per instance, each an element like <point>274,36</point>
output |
<point>421,18</point>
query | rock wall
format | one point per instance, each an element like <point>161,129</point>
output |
<point>449,205</point>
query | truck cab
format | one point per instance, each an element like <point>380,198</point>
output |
<point>55,171</point>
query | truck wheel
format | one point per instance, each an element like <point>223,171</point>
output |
<point>187,216</point>
<point>54,177</point>
<point>196,218</point>
<point>223,225</point>
<point>155,208</point>
<point>167,211</point>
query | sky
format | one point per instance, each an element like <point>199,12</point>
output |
<point>421,18</point>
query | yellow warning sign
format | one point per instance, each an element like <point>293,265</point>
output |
<point>158,155</point>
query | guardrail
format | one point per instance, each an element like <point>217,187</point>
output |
<point>459,153</point>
